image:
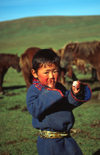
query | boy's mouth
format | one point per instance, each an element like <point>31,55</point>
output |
<point>51,83</point>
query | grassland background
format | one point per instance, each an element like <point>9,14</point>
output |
<point>17,136</point>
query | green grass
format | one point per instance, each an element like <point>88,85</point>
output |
<point>88,121</point>
<point>45,32</point>
<point>17,136</point>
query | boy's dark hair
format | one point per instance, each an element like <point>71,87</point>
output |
<point>44,56</point>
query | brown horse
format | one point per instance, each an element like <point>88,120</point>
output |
<point>7,61</point>
<point>88,51</point>
<point>81,65</point>
<point>68,68</point>
<point>26,66</point>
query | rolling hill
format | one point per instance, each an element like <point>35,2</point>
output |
<point>48,31</point>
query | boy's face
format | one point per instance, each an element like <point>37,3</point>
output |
<point>47,75</point>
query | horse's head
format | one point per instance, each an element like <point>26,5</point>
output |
<point>15,63</point>
<point>68,54</point>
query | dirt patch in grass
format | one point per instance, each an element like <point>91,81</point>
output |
<point>5,153</point>
<point>85,133</point>
<point>15,141</point>
<point>16,107</point>
<point>11,142</point>
<point>18,141</point>
<point>95,124</point>
<point>24,109</point>
<point>11,94</point>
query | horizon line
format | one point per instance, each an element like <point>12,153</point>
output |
<point>19,18</point>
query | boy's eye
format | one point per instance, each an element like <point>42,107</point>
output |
<point>46,72</point>
<point>55,71</point>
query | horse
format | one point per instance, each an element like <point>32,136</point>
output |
<point>87,51</point>
<point>81,65</point>
<point>7,61</point>
<point>68,68</point>
<point>26,65</point>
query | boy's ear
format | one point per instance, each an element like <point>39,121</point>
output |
<point>34,73</point>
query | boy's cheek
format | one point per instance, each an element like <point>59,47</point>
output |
<point>43,80</point>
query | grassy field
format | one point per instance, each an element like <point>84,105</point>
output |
<point>44,32</point>
<point>17,136</point>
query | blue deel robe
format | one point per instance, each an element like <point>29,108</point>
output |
<point>51,110</point>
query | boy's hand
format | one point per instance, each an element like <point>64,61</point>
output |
<point>76,87</point>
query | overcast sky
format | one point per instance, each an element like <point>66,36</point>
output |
<point>15,9</point>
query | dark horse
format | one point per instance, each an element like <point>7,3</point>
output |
<point>26,66</point>
<point>7,61</point>
<point>88,51</point>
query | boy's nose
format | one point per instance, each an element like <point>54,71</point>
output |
<point>51,75</point>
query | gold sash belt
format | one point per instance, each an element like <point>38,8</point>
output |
<point>52,134</point>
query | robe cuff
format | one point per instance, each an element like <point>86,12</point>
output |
<point>84,94</point>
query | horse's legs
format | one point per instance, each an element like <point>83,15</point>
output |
<point>94,74</point>
<point>74,78</point>
<point>62,77</point>
<point>71,74</point>
<point>1,82</point>
<point>98,74</point>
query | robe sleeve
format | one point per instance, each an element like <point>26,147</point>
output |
<point>83,96</point>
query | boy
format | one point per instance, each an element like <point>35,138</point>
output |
<point>51,105</point>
